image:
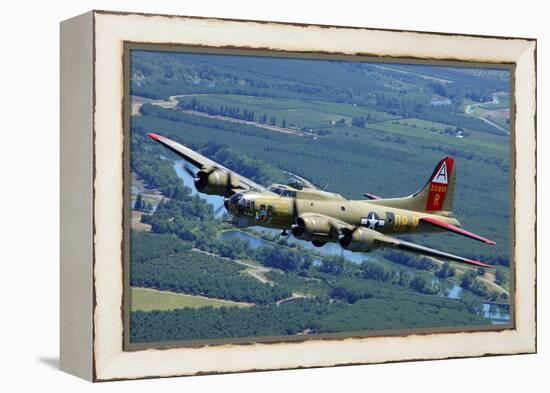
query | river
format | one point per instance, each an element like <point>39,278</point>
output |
<point>448,288</point>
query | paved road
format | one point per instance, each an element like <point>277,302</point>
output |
<point>469,108</point>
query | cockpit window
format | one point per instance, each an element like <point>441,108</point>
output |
<point>288,193</point>
<point>236,198</point>
<point>276,190</point>
<point>282,192</point>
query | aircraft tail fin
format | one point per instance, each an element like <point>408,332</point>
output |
<point>435,197</point>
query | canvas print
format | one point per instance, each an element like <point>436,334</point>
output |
<point>288,198</point>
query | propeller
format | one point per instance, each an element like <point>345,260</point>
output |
<point>219,209</point>
<point>295,227</point>
<point>294,210</point>
<point>334,229</point>
<point>346,234</point>
<point>228,184</point>
<point>201,176</point>
<point>190,171</point>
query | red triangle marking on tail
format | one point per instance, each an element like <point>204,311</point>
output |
<point>439,183</point>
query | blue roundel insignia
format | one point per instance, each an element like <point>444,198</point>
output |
<point>372,221</point>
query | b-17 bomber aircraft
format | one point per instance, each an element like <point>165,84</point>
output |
<point>311,214</point>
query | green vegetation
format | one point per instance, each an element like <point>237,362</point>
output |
<point>446,271</point>
<point>424,283</point>
<point>299,316</point>
<point>401,90</point>
<point>303,282</point>
<point>416,261</point>
<point>157,173</point>
<point>503,102</point>
<point>145,299</point>
<point>201,274</point>
<point>145,246</point>
<point>500,277</point>
<point>470,281</point>
<point>308,115</point>
<point>281,258</point>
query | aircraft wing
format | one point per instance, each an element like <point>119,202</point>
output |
<point>443,225</point>
<point>392,242</point>
<point>202,162</point>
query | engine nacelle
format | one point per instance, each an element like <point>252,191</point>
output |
<point>312,227</point>
<point>212,181</point>
<point>360,240</point>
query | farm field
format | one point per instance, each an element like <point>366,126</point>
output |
<point>300,113</point>
<point>147,299</point>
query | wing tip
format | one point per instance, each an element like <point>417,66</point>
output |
<point>153,136</point>
<point>477,263</point>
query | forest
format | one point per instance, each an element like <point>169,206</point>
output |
<point>385,87</point>
<point>300,316</point>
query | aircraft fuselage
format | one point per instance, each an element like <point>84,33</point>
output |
<point>275,211</point>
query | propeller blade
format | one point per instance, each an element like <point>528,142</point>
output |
<point>218,210</point>
<point>229,183</point>
<point>295,214</point>
<point>347,233</point>
<point>188,169</point>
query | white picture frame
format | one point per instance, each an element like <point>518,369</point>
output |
<point>92,197</point>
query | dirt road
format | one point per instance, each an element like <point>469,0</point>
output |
<point>256,271</point>
<point>469,108</point>
<point>172,103</point>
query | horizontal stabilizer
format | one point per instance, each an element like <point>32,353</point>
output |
<point>455,229</point>
<point>371,196</point>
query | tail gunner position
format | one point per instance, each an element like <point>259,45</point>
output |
<point>318,216</point>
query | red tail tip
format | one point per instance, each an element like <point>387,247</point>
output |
<point>153,136</point>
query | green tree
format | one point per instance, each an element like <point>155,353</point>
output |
<point>446,271</point>
<point>468,279</point>
<point>500,277</point>
<point>374,271</point>
<point>138,205</point>
<point>334,265</point>
<point>422,282</point>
